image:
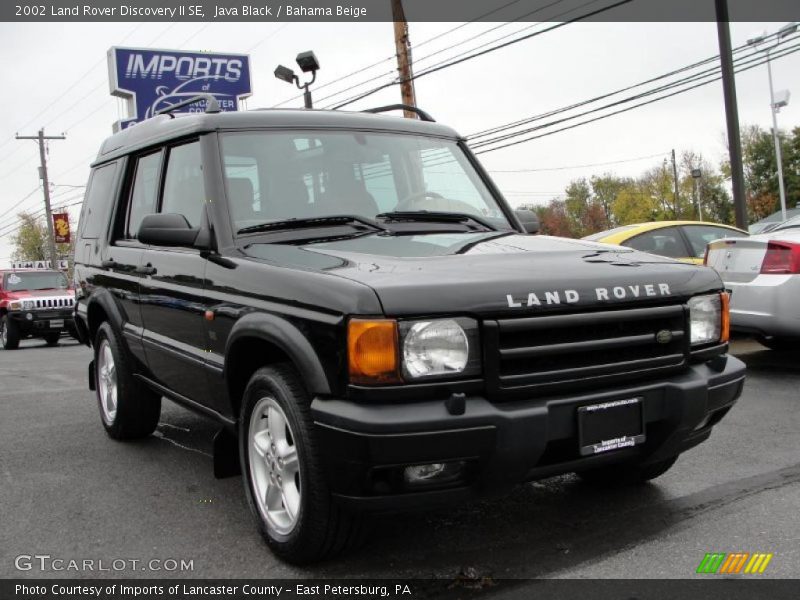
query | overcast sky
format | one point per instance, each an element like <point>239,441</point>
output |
<point>55,75</point>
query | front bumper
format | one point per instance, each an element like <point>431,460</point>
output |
<point>508,443</point>
<point>42,322</point>
<point>767,305</point>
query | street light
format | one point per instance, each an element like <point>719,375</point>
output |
<point>776,102</point>
<point>308,63</point>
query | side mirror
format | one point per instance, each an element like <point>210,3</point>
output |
<point>529,220</point>
<point>167,229</point>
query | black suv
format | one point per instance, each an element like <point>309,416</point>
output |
<point>352,299</point>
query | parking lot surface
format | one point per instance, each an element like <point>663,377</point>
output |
<point>68,491</point>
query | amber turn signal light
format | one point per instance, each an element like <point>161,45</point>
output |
<point>372,351</point>
<point>725,327</point>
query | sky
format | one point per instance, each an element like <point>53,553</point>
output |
<point>55,76</point>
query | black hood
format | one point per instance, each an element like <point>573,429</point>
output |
<point>495,274</point>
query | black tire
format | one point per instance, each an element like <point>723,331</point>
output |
<point>138,408</point>
<point>781,344</point>
<point>627,474</point>
<point>320,528</point>
<point>52,338</point>
<point>10,333</point>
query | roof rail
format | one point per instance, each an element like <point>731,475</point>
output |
<point>212,105</point>
<point>422,114</point>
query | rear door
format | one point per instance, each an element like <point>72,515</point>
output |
<point>119,260</point>
<point>172,288</point>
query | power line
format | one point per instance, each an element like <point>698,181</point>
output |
<point>754,64</point>
<point>513,124</point>
<point>566,168</point>
<point>436,37</point>
<point>451,63</point>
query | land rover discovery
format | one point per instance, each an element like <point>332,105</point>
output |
<point>371,324</point>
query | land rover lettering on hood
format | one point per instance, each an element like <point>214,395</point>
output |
<point>371,325</point>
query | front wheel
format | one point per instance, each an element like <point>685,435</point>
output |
<point>9,333</point>
<point>627,474</point>
<point>128,409</point>
<point>284,482</point>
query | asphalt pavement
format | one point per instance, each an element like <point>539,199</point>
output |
<point>69,492</point>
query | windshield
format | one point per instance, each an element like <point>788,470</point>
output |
<point>24,280</point>
<point>275,176</point>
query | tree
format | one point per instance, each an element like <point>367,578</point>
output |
<point>761,170</point>
<point>30,241</point>
<point>553,219</point>
<point>712,196</point>
<point>605,189</point>
<point>634,205</point>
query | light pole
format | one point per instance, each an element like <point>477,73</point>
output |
<point>696,175</point>
<point>308,63</point>
<point>776,104</point>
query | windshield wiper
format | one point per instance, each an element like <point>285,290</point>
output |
<point>311,222</point>
<point>426,216</point>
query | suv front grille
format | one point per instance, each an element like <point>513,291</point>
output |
<point>557,352</point>
<point>45,303</point>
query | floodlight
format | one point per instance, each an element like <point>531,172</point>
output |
<point>307,61</point>
<point>285,74</point>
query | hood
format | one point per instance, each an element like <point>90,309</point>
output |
<point>48,293</point>
<point>495,274</point>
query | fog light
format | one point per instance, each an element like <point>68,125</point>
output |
<point>29,316</point>
<point>433,473</point>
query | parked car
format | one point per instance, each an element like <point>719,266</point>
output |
<point>350,297</point>
<point>34,304</point>
<point>772,221</point>
<point>683,240</point>
<point>762,273</point>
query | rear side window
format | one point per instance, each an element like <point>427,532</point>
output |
<point>184,190</point>
<point>702,235</point>
<point>98,202</point>
<point>144,192</point>
<point>664,242</point>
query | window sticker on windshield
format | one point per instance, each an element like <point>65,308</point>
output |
<point>13,279</point>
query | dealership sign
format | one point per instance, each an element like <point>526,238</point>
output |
<point>151,80</point>
<point>61,228</point>
<point>63,265</point>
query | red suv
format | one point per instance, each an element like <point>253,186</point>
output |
<point>34,303</point>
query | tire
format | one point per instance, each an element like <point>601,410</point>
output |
<point>9,333</point>
<point>128,409</point>
<point>52,338</point>
<point>781,344</point>
<point>630,474</point>
<point>296,516</point>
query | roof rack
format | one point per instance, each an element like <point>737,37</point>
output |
<point>422,114</point>
<point>212,105</point>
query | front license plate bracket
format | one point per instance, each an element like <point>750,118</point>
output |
<point>610,426</point>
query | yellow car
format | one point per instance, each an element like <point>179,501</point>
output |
<point>683,240</point>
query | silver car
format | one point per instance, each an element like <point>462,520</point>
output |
<point>762,273</point>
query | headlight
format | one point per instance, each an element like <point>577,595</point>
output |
<point>15,305</point>
<point>441,347</point>
<point>708,319</point>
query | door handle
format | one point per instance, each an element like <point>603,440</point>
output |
<point>147,269</point>
<point>109,264</point>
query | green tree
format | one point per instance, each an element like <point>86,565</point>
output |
<point>761,170</point>
<point>605,189</point>
<point>30,240</point>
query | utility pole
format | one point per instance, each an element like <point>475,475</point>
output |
<point>675,178</point>
<point>403,50</point>
<point>731,112</point>
<point>41,138</point>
